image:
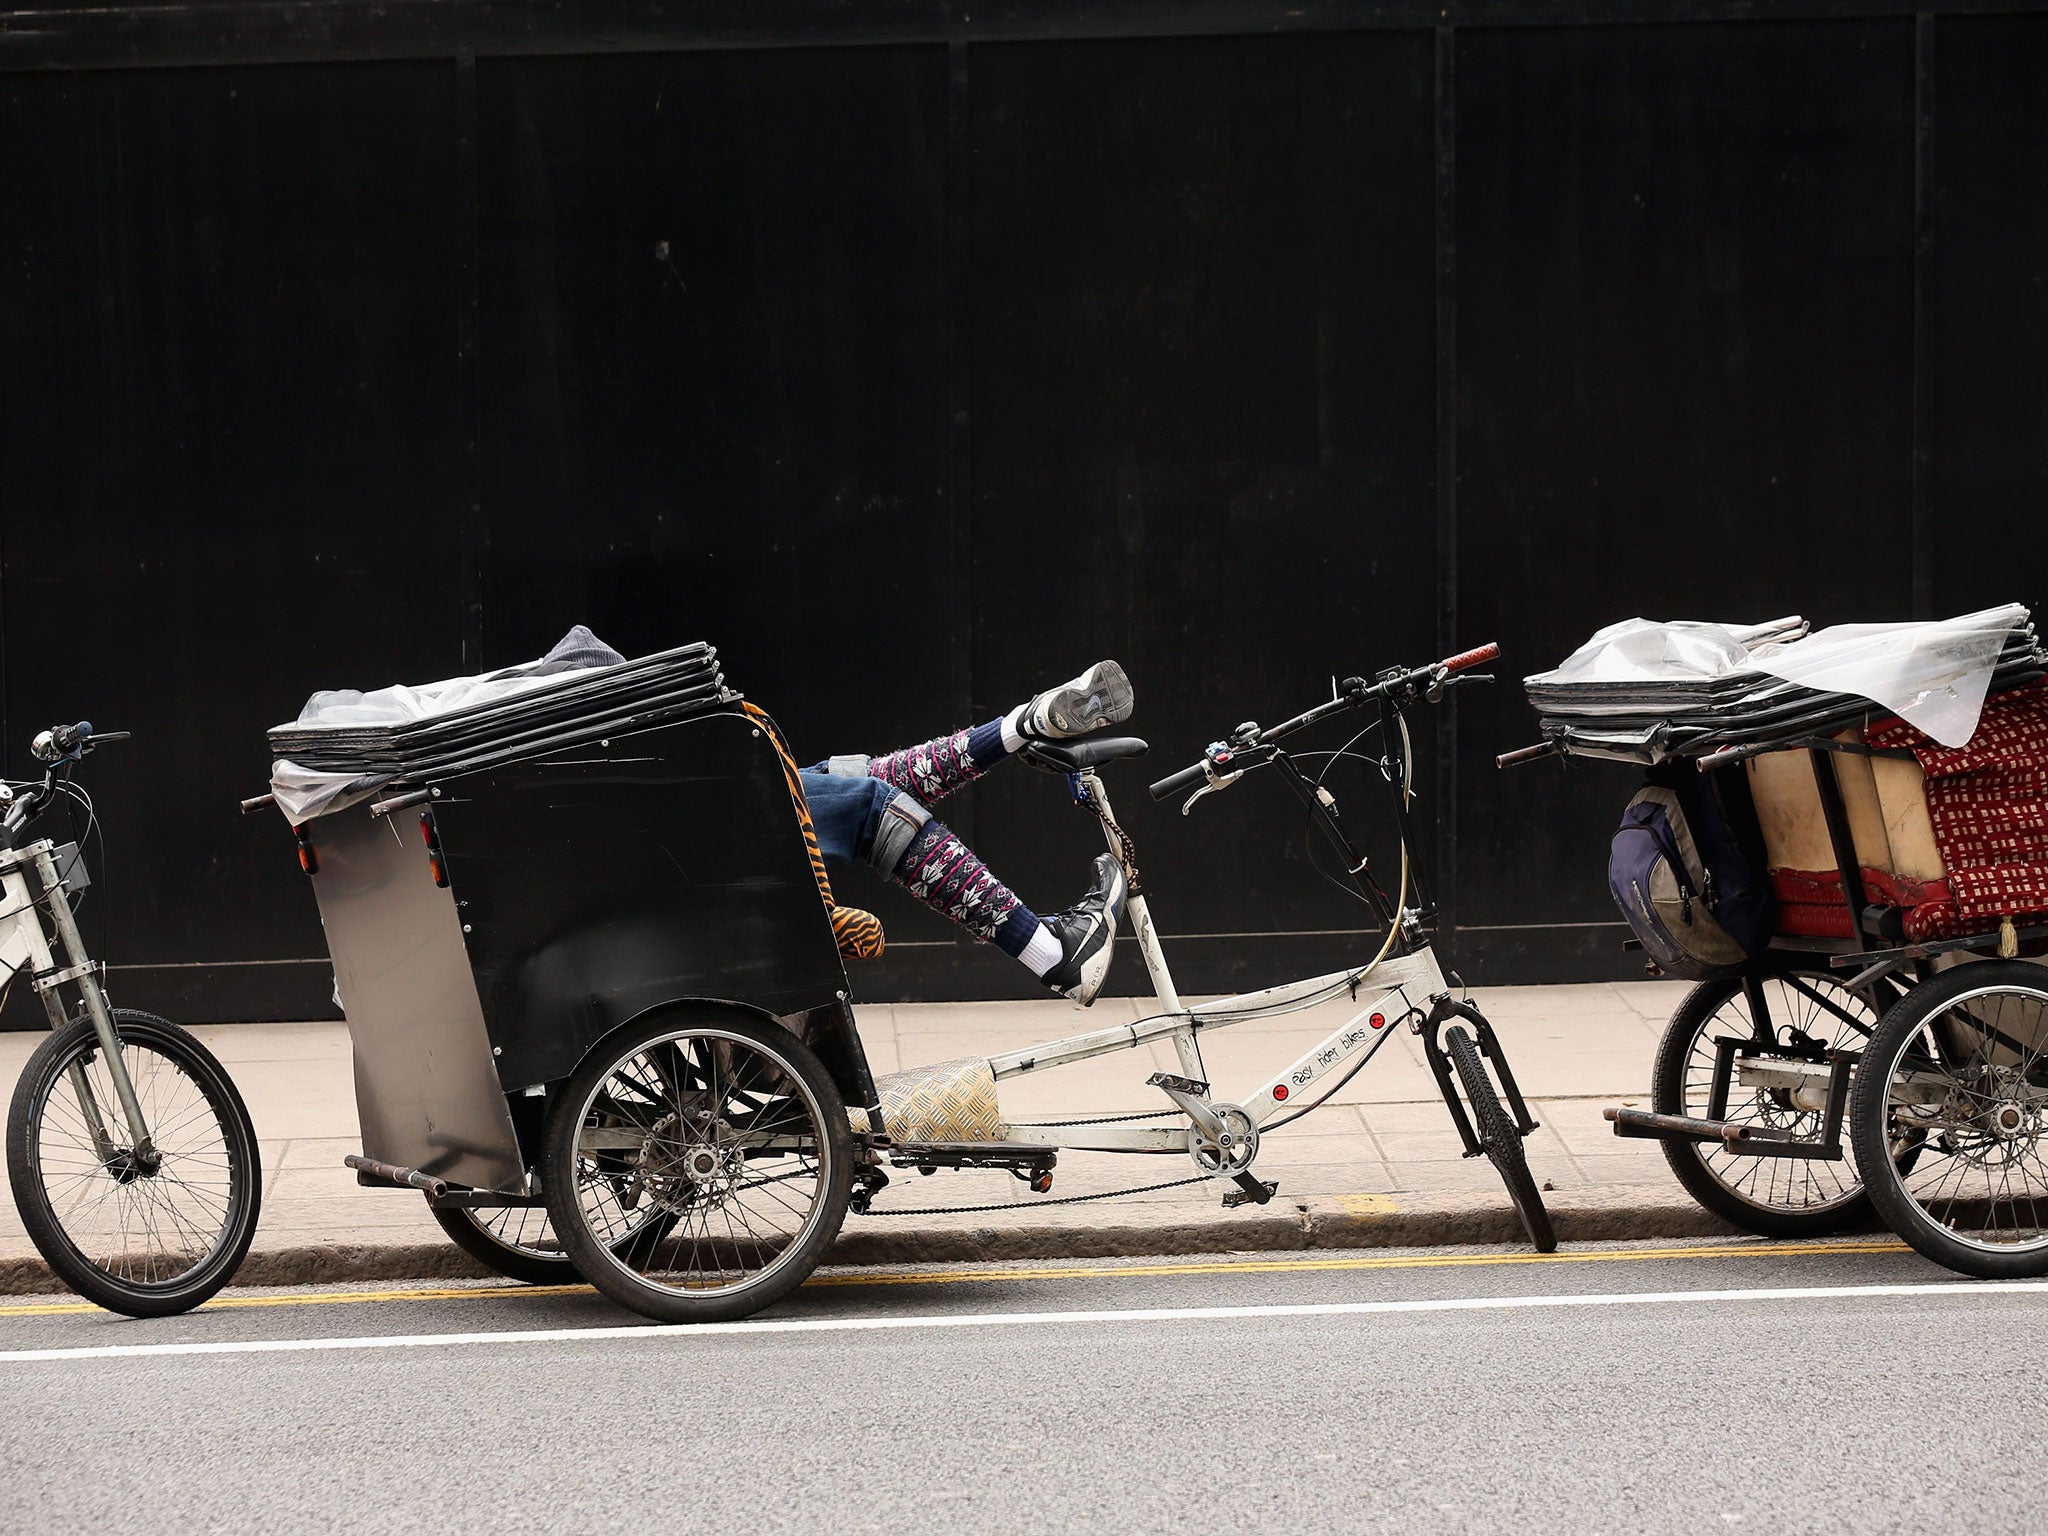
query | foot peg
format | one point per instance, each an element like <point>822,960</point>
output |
<point>1251,1191</point>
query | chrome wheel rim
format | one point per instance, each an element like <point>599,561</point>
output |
<point>146,1229</point>
<point>522,1229</point>
<point>1807,1185</point>
<point>1968,1088</point>
<point>719,1132</point>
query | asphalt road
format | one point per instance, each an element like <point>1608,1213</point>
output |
<point>1678,1388</point>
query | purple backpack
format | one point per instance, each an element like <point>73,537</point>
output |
<point>1684,882</point>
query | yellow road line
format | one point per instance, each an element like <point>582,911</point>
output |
<point>1072,1272</point>
<point>325,1298</point>
<point>1278,1266</point>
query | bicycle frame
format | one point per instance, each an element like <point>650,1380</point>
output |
<point>24,943</point>
<point>1407,987</point>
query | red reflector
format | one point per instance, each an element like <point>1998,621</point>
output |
<point>1378,1021</point>
<point>1279,1090</point>
<point>434,863</point>
<point>309,860</point>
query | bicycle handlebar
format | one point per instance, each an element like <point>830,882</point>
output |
<point>1187,778</point>
<point>1355,692</point>
<point>1471,658</point>
<point>62,741</point>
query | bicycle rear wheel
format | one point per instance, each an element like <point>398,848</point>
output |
<point>1950,1116</point>
<point>147,1239</point>
<point>1500,1138</point>
<point>1811,1013</point>
<point>698,1165</point>
<point>518,1241</point>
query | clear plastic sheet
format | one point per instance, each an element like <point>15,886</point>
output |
<point>303,793</point>
<point>1931,675</point>
<point>1673,651</point>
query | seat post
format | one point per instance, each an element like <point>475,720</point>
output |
<point>1141,925</point>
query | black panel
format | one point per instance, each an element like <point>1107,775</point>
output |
<point>229,468</point>
<point>1990,311</point>
<point>715,368</point>
<point>1202,442</point>
<point>608,880</point>
<point>976,356</point>
<point>1684,268</point>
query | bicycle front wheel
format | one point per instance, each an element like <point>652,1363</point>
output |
<point>1500,1138</point>
<point>136,1235</point>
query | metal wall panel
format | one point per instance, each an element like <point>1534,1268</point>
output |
<point>1202,432</point>
<point>1988,291</point>
<point>229,467</point>
<point>1009,338</point>
<point>1685,351</point>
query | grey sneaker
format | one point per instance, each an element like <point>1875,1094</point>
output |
<point>1086,932</point>
<point>1098,697</point>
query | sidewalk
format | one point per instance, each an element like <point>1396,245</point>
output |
<point>1379,1165</point>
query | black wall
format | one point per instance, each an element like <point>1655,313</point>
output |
<point>917,355</point>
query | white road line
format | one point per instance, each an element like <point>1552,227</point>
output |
<point>1023,1319</point>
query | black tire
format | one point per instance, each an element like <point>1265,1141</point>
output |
<point>1976,1037</point>
<point>207,1187</point>
<point>1770,1196</point>
<point>1500,1137</point>
<point>747,1229</point>
<point>517,1242</point>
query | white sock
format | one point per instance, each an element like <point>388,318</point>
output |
<point>1043,952</point>
<point>1013,738</point>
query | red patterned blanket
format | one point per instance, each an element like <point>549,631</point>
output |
<point>1988,800</point>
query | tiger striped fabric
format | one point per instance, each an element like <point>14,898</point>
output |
<point>859,934</point>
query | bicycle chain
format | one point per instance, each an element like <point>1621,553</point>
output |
<point>1056,1125</point>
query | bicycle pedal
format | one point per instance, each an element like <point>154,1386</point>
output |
<point>1174,1084</point>
<point>1254,1192</point>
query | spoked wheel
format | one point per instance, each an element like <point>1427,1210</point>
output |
<point>1957,1075</point>
<point>1808,1013</point>
<point>733,1130</point>
<point>136,1234</point>
<point>519,1242</point>
<point>1500,1137</point>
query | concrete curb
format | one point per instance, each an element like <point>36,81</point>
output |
<point>877,1241</point>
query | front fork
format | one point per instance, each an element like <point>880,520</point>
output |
<point>1447,1007</point>
<point>48,978</point>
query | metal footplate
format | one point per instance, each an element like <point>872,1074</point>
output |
<point>1736,1136</point>
<point>1032,1164</point>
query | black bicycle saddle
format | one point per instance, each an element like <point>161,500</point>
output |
<point>1089,752</point>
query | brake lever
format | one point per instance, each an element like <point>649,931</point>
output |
<point>1216,782</point>
<point>1435,690</point>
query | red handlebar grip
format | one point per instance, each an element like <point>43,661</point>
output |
<point>1471,658</point>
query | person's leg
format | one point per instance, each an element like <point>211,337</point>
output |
<point>934,769</point>
<point>1068,951</point>
<point>862,819</point>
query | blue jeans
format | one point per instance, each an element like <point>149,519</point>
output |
<point>859,819</point>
